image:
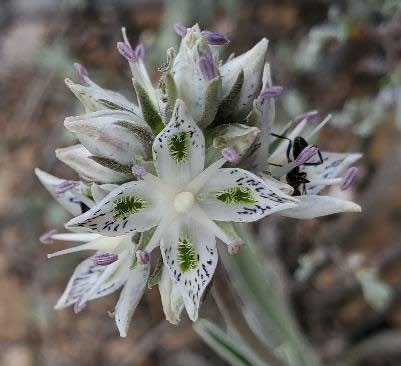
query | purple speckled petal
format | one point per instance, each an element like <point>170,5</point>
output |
<point>180,29</point>
<point>306,154</point>
<point>207,67</point>
<point>272,92</point>
<point>127,52</point>
<point>310,116</point>
<point>82,72</point>
<point>215,38</point>
<point>349,178</point>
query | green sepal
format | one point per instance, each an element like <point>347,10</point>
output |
<point>142,134</point>
<point>149,112</point>
<point>154,278</point>
<point>171,94</point>
<point>112,164</point>
<point>113,106</point>
<point>230,102</point>
<point>212,100</point>
<point>229,230</point>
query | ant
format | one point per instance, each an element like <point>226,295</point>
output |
<point>295,178</point>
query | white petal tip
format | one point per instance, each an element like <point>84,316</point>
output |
<point>352,207</point>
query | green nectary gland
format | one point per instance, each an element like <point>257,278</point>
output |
<point>127,205</point>
<point>186,255</point>
<point>236,196</point>
<point>178,146</point>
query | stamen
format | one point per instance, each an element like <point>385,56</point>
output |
<point>180,29</point>
<point>231,155</point>
<point>138,171</point>
<point>272,92</point>
<point>310,116</point>
<point>160,230</point>
<point>349,178</point>
<point>65,186</point>
<point>306,154</point>
<point>127,52</point>
<point>200,180</point>
<point>47,238</point>
<point>82,72</point>
<point>140,51</point>
<point>318,127</point>
<point>79,306</point>
<point>214,38</point>
<point>207,68</point>
<point>105,259</point>
<point>142,256</point>
<point>234,247</point>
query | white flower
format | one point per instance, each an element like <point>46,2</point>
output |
<point>184,202</point>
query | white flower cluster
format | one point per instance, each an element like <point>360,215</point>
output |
<point>176,170</point>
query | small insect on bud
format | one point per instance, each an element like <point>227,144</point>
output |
<point>180,29</point>
<point>231,155</point>
<point>138,171</point>
<point>82,72</point>
<point>306,154</point>
<point>349,178</point>
<point>105,259</point>
<point>234,247</point>
<point>207,68</point>
<point>272,92</point>
<point>215,39</point>
<point>142,256</point>
<point>127,52</point>
<point>310,116</point>
<point>46,238</point>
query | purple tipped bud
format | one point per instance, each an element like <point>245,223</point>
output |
<point>138,171</point>
<point>214,38</point>
<point>140,51</point>
<point>272,92</point>
<point>206,66</point>
<point>310,116</point>
<point>81,71</point>
<point>78,306</point>
<point>46,238</point>
<point>104,259</point>
<point>127,52</point>
<point>65,186</point>
<point>349,178</point>
<point>143,256</point>
<point>231,155</point>
<point>234,247</point>
<point>306,154</point>
<point>180,29</point>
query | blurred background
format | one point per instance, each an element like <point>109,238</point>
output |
<point>342,274</point>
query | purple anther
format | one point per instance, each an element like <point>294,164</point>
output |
<point>214,38</point>
<point>46,238</point>
<point>349,178</point>
<point>180,29</point>
<point>310,116</point>
<point>79,306</point>
<point>127,52</point>
<point>272,92</point>
<point>138,171</point>
<point>207,68</point>
<point>140,51</point>
<point>142,256</point>
<point>65,186</point>
<point>306,154</point>
<point>104,259</point>
<point>234,247</point>
<point>81,71</point>
<point>231,155</point>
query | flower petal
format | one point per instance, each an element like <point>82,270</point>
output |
<point>91,281</point>
<point>311,206</point>
<point>69,199</point>
<point>333,165</point>
<point>77,158</point>
<point>190,254</point>
<point>179,150</point>
<point>112,134</point>
<point>171,299</point>
<point>130,296</point>
<point>133,206</point>
<point>240,196</point>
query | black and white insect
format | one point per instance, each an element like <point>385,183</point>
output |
<point>295,177</point>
